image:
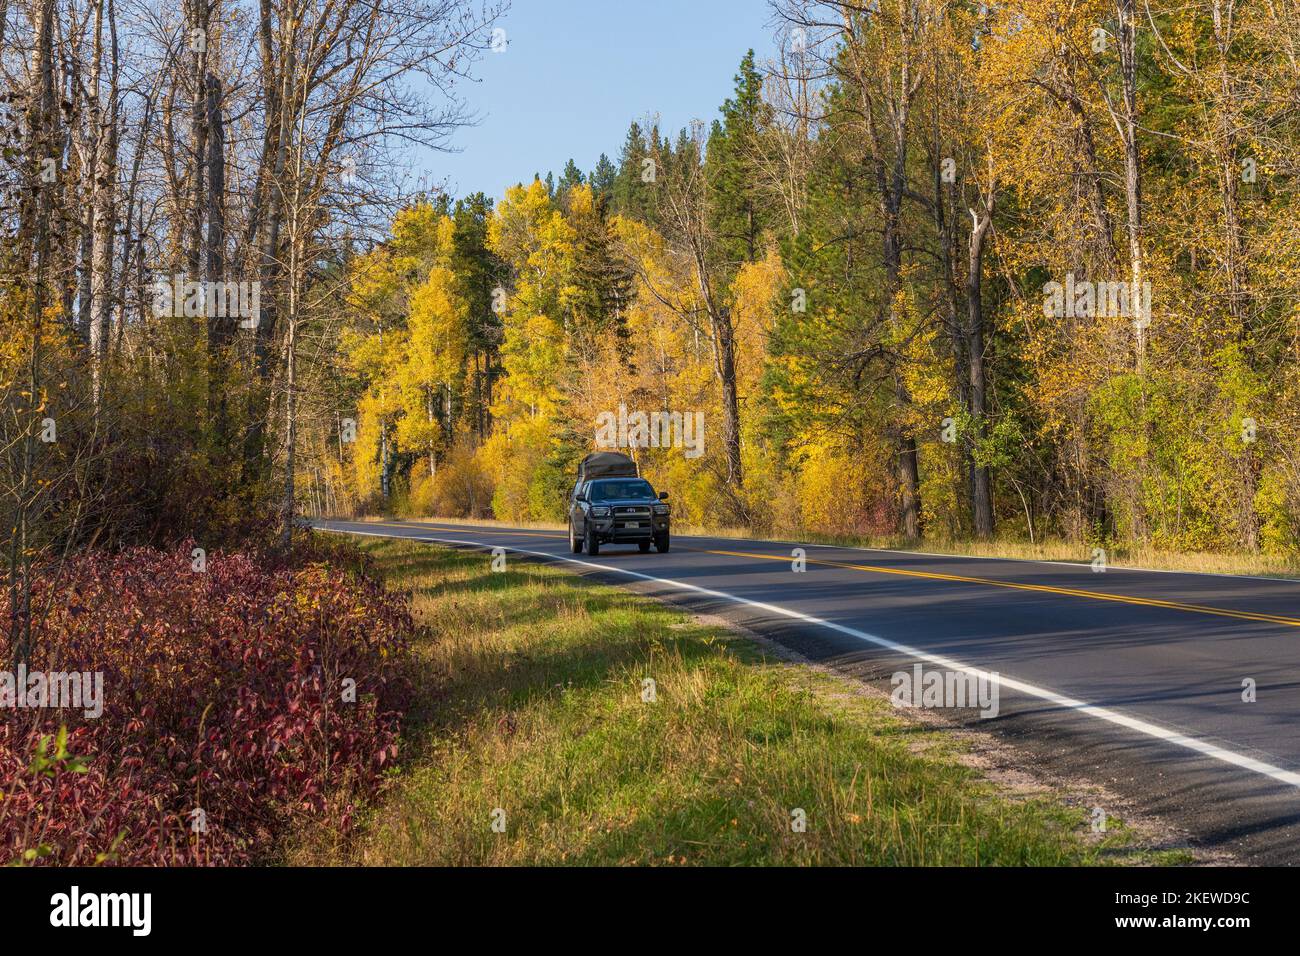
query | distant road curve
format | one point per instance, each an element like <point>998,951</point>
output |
<point>1131,678</point>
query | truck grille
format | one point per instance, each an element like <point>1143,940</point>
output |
<point>631,515</point>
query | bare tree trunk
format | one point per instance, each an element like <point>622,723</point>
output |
<point>86,255</point>
<point>199,38</point>
<point>130,247</point>
<point>221,328</point>
<point>34,241</point>
<point>267,219</point>
<point>215,246</point>
<point>433,455</point>
<point>982,503</point>
<point>105,204</point>
<point>290,429</point>
<point>1132,163</point>
<point>725,340</point>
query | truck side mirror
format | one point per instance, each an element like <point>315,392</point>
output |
<point>663,496</point>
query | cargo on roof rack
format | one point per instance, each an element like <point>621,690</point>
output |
<point>606,464</point>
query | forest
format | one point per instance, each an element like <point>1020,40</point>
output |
<point>936,271</point>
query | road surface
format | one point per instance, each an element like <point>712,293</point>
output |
<point>1130,678</point>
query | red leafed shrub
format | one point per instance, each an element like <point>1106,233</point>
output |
<point>226,691</point>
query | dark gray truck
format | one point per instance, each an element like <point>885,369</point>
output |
<point>611,504</point>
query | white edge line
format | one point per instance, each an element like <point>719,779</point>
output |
<point>1213,751</point>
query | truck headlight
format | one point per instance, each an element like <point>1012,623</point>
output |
<point>600,512</point>
<point>661,509</point>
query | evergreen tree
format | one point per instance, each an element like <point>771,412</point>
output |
<point>736,206</point>
<point>572,176</point>
<point>603,178</point>
<point>630,189</point>
<point>478,272</point>
<point>603,278</point>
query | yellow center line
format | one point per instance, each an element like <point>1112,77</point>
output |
<point>935,576</point>
<point>1044,588</point>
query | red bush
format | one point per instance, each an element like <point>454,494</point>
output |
<point>223,692</point>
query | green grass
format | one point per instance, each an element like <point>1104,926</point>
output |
<point>531,700</point>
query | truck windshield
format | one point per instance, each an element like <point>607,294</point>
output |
<point>635,489</point>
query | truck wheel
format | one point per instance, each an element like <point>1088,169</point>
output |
<point>575,543</point>
<point>643,547</point>
<point>661,544</point>
<point>593,546</point>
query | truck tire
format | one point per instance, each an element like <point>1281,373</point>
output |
<point>661,544</point>
<point>593,546</point>
<point>643,547</point>
<point>575,543</point>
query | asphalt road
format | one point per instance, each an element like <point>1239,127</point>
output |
<point>1129,678</point>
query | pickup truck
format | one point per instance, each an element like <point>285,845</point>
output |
<point>611,504</point>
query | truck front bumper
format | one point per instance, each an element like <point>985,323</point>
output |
<point>618,529</point>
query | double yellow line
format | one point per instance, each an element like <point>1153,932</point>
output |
<point>1043,588</point>
<point>936,576</point>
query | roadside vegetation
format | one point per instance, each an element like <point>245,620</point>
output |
<point>239,693</point>
<point>530,700</point>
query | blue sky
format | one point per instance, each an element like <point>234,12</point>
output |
<point>577,72</point>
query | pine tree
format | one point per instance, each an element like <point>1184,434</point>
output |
<point>630,188</point>
<point>478,273</point>
<point>736,207</point>
<point>572,176</point>
<point>603,178</point>
<point>602,278</point>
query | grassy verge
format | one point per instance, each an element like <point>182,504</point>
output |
<point>532,701</point>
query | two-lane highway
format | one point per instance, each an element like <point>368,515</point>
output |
<point>1130,678</point>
